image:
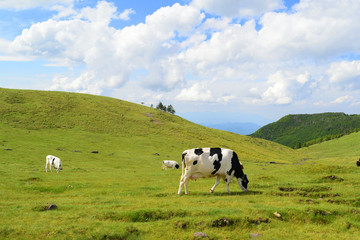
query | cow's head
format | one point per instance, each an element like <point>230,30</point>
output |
<point>244,183</point>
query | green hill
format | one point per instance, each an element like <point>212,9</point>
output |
<point>121,191</point>
<point>306,129</point>
<point>344,148</point>
<point>130,123</point>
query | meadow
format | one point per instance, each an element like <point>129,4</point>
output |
<point>121,192</point>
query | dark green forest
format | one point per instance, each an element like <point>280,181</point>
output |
<point>302,130</point>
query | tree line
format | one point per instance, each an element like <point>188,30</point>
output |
<point>162,107</point>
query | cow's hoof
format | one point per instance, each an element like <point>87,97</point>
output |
<point>211,191</point>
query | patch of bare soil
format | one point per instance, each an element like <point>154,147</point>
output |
<point>152,118</point>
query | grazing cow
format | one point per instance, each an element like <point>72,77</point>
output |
<point>53,161</point>
<point>212,162</point>
<point>170,164</point>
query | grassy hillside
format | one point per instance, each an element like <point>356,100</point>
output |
<point>122,192</point>
<point>345,148</point>
<point>306,129</point>
<point>132,123</point>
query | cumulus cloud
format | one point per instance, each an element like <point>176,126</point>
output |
<point>14,59</point>
<point>197,92</point>
<point>7,56</point>
<point>25,4</point>
<point>125,15</point>
<point>272,56</point>
<point>345,74</point>
<point>183,19</point>
<point>317,29</point>
<point>238,8</point>
<point>284,88</point>
<point>84,83</point>
<point>110,54</point>
<point>343,99</point>
<point>4,45</point>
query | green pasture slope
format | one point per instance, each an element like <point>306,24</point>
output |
<point>121,192</point>
<point>301,130</point>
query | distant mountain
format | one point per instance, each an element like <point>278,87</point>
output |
<point>212,118</point>
<point>235,127</point>
<point>305,129</point>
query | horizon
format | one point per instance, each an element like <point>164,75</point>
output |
<point>241,61</point>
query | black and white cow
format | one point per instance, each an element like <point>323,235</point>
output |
<point>53,161</point>
<point>212,162</point>
<point>170,164</point>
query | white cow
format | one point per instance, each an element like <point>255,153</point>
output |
<point>53,161</point>
<point>212,162</point>
<point>170,164</point>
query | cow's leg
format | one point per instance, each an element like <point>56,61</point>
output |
<point>217,181</point>
<point>228,180</point>
<point>181,184</point>
<point>186,186</point>
<point>46,167</point>
<point>183,181</point>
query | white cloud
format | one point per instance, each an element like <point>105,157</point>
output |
<point>63,11</point>
<point>84,83</point>
<point>318,29</point>
<point>273,58</point>
<point>238,8</point>
<point>283,88</point>
<point>102,14</point>
<point>125,15</point>
<point>25,4</point>
<point>7,56</point>
<point>87,39</point>
<point>295,37</point>
<point>197,92</point>
<point>4,45</point>
<point>183,19</point>
<point>15,59</point>
<point>345,74</point>
<point>343,99</point>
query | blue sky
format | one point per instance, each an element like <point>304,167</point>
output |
<point>232,60</point>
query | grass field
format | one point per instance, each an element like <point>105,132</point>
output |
<point>122,192</point>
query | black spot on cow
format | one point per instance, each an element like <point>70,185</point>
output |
<point>236,167</point>
<point>198,151</point>
<point>53,161</point>
<point>195,162</point>
<point>177,166</point>
<point>216,163</point>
